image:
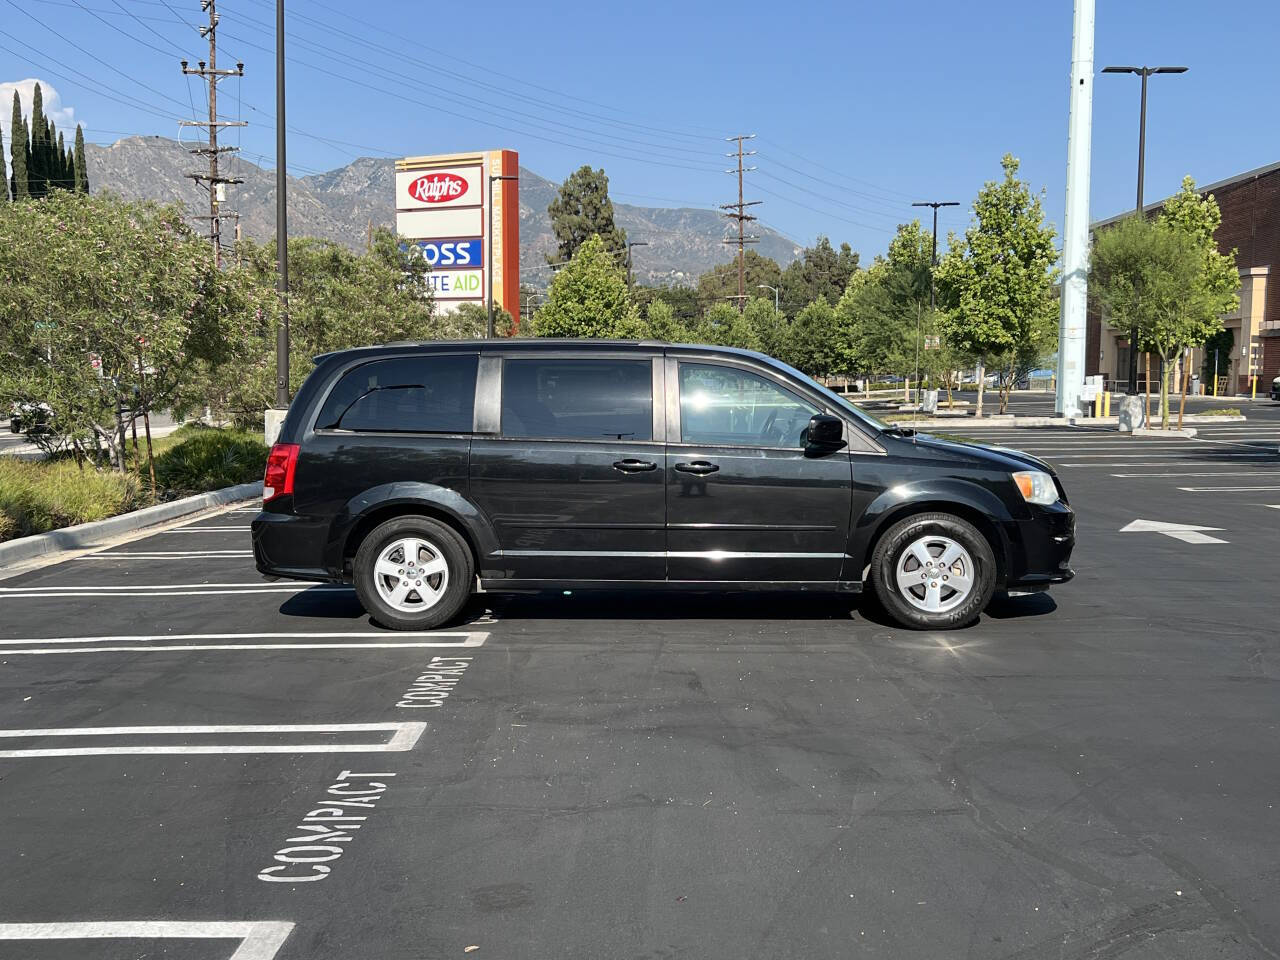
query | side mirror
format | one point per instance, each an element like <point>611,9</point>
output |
<point>824,432</point>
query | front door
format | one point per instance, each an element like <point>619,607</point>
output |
<point>745,501</point>
<point>574,483</point>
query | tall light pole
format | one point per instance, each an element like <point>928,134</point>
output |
<point>1143,72</point>
<point>488,246</point>
<point>630,244</point>
<point>1075,231</point>
<point>282,224</point>
<point>765,286</point>
<point>933,264</point>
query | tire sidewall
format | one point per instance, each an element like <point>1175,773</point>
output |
<point>894,543</point>
<point>456,554</point>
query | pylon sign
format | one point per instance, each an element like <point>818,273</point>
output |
<point>443,209</point>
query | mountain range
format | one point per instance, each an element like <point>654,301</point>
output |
<point>342,204</point>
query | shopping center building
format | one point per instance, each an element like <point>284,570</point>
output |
<point>1250,205</point>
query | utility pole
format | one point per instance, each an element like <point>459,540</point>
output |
<point>741,215</point>
<point>1075,233</point>
<point>933,266</point>
<point>213,181</point>
<point>282,224</point>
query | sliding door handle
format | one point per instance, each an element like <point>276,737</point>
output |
<point>699,468</point>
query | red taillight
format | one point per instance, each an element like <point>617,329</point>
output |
<point>278,479</point>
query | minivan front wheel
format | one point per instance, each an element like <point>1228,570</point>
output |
<point>413,573</point>
<point>933,571</point>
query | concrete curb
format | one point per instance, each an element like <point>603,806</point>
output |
<point>1186,432</point>
<point>88,534</point>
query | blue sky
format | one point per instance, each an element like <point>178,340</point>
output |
<point>859,108</point>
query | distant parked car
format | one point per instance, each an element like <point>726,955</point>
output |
<point>30,418</point>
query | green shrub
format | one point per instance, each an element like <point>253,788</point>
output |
<point>1222,412</point>
<point>208,459</point>
<point>36,497</point>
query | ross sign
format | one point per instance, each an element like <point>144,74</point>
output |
<point>457,284</point>
<point>461,186</point>
<point>442,254</point>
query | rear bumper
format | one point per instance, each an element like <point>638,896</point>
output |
<point>1040,548</point>
<point>285,545</point>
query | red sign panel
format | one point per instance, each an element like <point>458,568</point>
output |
<point>437,187</point>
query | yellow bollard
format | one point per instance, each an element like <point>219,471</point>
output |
<point>1106,403</point>
<point>1254,391</point>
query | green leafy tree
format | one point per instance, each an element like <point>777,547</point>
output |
<point>723,324</point>
<point>470,320</point>
<point>581,210</point>
<point>771,329</point>
<point>19,150</point>
<point>820,271</point>
<point>38,161</point>
<point>999,282</point>
<point>664,325</point>
<point>683,300</point>
<point>1167,278</point>
<point>818,341</point>
<point>1215,355</point>
<point>78,163</point>
<point>588,297</point>
<point>4,173</point>
<point>721,281</point>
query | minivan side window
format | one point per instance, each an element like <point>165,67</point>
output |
<point>426,394</point>
<point>722,405</point>
<point>578,399</point>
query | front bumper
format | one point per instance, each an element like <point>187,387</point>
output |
<point>1040,548</point>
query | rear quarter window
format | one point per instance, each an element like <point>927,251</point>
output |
<point>428,394</point>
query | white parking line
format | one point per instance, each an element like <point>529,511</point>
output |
<point>1218,473</point>
<point>1224,489</point>
<point>45,594</point>
<point>168,555</point>
<point>148,644</point>
<point>259,939</point>
<point>262,584</point>
<point>195,529</point>
<point>405,735</point>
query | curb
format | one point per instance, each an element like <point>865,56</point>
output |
<point>89,534</point>
<point>1186,432</point>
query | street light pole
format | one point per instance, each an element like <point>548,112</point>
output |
<point>630,244</point>
<point>1144,72</point>
<point>488,244</point>
<point>933,263</point>
<point>282,224</point>
<point>765,286</point>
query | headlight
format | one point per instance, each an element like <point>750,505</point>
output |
<point>1036,487</point>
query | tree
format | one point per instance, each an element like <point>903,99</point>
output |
<point>1168,279</point>
<point>818,344</point>
<point>664,325</point>
<point>4,173</point>
<point>721,281</point>
<point>820,271</point>
<point>588,297</point>
<point>582,210</point>
<point>19,149</point>
<point>78,162</point>
<point>682,300</point>
<point>723,324</point>
<point>999,282</point>
<point>37,166</point>
<point>769,325</point>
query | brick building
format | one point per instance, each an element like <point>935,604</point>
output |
<point>1250,205</point>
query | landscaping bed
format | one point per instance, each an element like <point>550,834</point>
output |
<point>43,495</point>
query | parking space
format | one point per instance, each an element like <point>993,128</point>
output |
<point>200,764</point>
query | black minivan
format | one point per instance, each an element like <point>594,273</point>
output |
<point>421,472</point>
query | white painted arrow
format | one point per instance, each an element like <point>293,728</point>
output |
<point>1186,532</point>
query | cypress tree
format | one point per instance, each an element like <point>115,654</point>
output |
<point>38,158</point>
<point>81,170</point>
<point>4,171</point>
<point>69,170</point>
<point>18,151</point>
<point>60,159</point>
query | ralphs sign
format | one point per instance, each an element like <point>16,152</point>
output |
<point>437,188</point>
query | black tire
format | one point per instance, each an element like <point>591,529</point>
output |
<point>443,541</point>
<point>894,544</point>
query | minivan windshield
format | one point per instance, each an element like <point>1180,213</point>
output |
<point>875,423</point>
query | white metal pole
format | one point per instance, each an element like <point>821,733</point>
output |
<point>1075,235</point>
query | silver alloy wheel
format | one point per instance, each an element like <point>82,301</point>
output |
<point>935,574</point>
<point>411,574</point>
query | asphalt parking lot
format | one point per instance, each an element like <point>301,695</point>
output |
<point>198,764</point>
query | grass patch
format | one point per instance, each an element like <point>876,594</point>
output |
<point>1222,412</point>
<point>41,495</point>
<point>36,497</point>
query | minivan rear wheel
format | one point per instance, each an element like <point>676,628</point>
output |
<point>933,571</point>
<point>413,573</point>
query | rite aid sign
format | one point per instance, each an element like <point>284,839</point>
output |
<point>434,189</point>
<point>457,284</point>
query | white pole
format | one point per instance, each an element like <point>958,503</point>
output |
<point>1075,235</point>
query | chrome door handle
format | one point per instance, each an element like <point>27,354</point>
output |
<point>699,467</point>
<point>634,466</point>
